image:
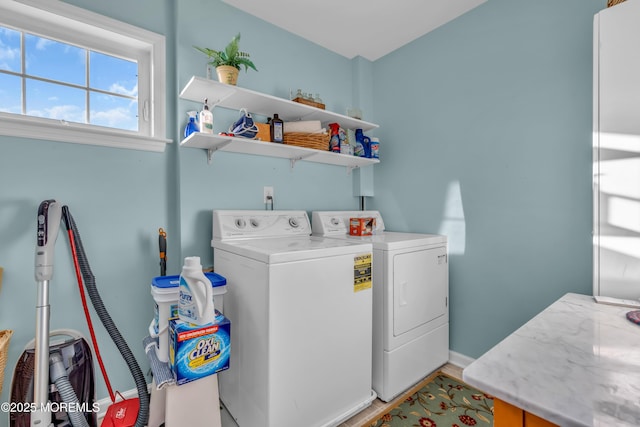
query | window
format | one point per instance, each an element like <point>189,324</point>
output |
<point>55,80</point>
<point>67,74</point>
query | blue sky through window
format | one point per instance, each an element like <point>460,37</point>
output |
<point>10,94</point>
<point>54,60</point>
<point>56,86</point>
<point>9,50</point>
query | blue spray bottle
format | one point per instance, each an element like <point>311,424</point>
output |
<point>192,126</point>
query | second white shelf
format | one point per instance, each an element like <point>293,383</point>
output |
<point>213,143</point>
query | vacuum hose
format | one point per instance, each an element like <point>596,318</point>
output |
<point>60,378</point>
<point>105,318</point>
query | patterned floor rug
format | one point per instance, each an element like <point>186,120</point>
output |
<point>441,402</point>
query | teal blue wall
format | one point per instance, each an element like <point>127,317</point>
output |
<point>119,198</point>
<point>485,134</point>
<point>235,181</point>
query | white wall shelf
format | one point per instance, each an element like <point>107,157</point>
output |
<point>213,143</point>
<point>235,98</point>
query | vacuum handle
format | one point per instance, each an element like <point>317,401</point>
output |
<point>48,225</point>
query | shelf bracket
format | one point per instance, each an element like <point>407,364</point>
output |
<point>295,159</point>
<point>292,162</point>
<point>351,168</point>
<point>210,151</point>
<point>221,99</point>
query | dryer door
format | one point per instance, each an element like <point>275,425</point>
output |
<point>420,288</point>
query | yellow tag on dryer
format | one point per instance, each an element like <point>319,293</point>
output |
<point>362,272</point>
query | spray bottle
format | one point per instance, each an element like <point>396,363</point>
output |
<point>192,126</point>
<point>334,143</point>
<point>196,296</point>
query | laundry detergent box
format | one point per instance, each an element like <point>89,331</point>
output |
<point>362,226</point>
<point>197,351</point>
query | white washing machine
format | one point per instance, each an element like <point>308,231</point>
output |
<point>300,308</point>
<point>410,300</point>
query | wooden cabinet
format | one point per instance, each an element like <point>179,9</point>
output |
<point>507,415</point>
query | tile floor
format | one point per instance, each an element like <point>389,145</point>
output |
<point>377,408</point>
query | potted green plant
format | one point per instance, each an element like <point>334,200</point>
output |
<point>228,61</point>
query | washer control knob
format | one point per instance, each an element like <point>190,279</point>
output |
<point>293,222</point>
<point>254,222</point>
<point>241,223</point>
<point>335,221</point>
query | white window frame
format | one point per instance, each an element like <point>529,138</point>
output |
<point>67,23</point>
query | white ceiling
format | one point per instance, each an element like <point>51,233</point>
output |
<point>368,28</point>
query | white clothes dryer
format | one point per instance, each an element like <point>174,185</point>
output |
<point>410,300</point>
<point>300,308</point>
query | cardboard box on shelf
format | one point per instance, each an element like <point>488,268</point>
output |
<point>362,226</point>
<point>264,132</point>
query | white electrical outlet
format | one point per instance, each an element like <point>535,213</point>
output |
<point>268,194</point>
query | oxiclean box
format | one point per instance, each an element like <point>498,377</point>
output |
<point>199,351</point>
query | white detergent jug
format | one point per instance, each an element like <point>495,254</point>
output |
<point>195,304</point>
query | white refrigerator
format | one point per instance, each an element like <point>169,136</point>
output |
<point>616,151</point>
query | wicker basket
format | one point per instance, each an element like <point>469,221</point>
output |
<point>613,2</point>
<point>317,141</point>
<point>5,337</point>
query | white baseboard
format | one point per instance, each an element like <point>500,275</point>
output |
<point>459,359</point>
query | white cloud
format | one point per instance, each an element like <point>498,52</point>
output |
<point>16,109</point>
<point>119,118</point>
<point>70,113</point>
<point>113,118</point>
<point>7,56</point>
<point>7,52</point>
<point>43,43</point>
<point>118,88</point>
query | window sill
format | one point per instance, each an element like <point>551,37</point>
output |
<point>62,131</point>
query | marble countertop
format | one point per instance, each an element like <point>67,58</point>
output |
<point>577,363</point>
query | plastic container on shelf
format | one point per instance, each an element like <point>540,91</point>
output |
<point>277,129</point>
<point>375,148</point>
<point>195,303</point>
<point>206,119</point>
<point>334,142</point>
<point>192,126</point>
